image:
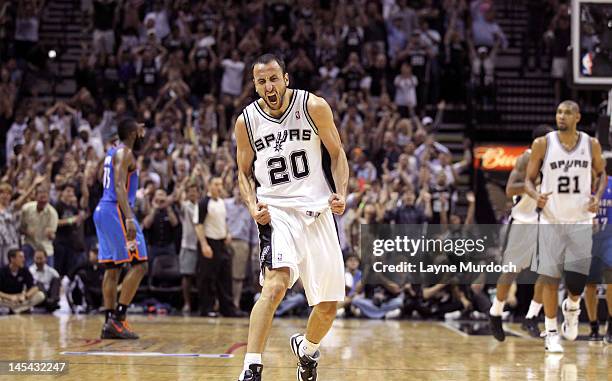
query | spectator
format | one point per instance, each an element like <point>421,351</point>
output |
<point>17,289</point>
<point>27,27</point>
<point>39,224</point>
<point>409,212</point>
<point>47,279</point>
<point>85,289</point>
<point>241,238</point>
<point>68,245</point>
<point>233,72</point>
<point>188,256</point>
<point>9,235</point>
<point>352,278</point>
<point>104,21</point>
<point>487,32</point>
<point>215,263</point>
<point>558,36</point>
<point>405,94</point>
<point>160,227</point>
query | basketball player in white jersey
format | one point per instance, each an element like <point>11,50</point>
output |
<point>566,160</point>
<point>293,174</point>
<point>520,247</point>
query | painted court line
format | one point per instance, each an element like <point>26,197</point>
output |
<point>151,354</point>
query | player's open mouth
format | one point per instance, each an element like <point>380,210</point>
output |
<point>272,98</point>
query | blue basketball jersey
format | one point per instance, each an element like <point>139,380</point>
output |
<point>604,212</point>
<point>108,180</point>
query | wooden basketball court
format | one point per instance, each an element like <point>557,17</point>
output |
<point>188,348</point>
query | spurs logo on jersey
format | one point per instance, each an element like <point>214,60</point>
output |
<point>290,159</point>
<point>567,174</point>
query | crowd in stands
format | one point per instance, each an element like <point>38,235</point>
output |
<point>387,68</point>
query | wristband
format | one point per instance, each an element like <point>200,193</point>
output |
<point>71,221</point>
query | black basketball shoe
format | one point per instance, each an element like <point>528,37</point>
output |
<point>495,323</point>
<point>594,335</point>
<point>117,329</point>
<point>307,365</point>
<point>252,374</point>
<point>531,326</point>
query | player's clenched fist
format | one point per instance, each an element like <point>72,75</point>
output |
<point>261,214</point>
<point>543,199</point>
<point>337,203</point>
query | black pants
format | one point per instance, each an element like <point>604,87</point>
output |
<point>215,279</point>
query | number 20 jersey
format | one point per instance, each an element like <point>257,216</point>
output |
<point>567,174</point>
<point>292,167</point>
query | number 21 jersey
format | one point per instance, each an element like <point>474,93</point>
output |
<point>292,167</point>
<point>567,174</point>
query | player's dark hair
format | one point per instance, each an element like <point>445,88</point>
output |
<point>540,131</point>
<point>573,105</point>
<point>267,58</point>
<point>125,127</point>
<point>41,251</point>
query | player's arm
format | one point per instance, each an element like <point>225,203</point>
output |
<point>599,170</point>
<point>538,150</point>
<point>122,161</point>
<point>323,119</point>
<point>516,180</point>
<point>245,157</point>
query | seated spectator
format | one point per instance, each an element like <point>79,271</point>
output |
<point>294,303</point>
<point>352,282</point>
<point>382,300</point>
<point>39,224</point>
<point>47,279</point>
<point>17,289</point>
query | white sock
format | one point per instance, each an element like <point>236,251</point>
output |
<point>534,310</point>
<point>497,309</point>
<point>308,348</point>
<point>252,358</point>
<point>550,324</point>
<point>571,305</point>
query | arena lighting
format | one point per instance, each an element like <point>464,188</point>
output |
<point>52,54</point>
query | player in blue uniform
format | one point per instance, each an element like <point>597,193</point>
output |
<point>120,238</point>
<point>601,265</point>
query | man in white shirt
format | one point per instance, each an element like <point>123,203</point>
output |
<point>47,279</point>
<point>215,263</point>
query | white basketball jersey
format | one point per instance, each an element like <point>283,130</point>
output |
<point>524,210</point>
<point>291,163</point>
<point>567,174</point>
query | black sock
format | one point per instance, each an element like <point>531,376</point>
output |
<point>610,324</point>
<point>121,311</point>
<point>107,315</point>
<point>595,326</point>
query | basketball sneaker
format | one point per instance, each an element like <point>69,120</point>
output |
<point>569,328</point>
<point>117,329</point>
<point>307,365</point>
<point>552,343</point>
<point>531,326</point>
<point>252,374</point>
<point>495,324</point>
<point>594,335</point>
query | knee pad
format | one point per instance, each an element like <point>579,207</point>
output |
<point>575,282</point>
